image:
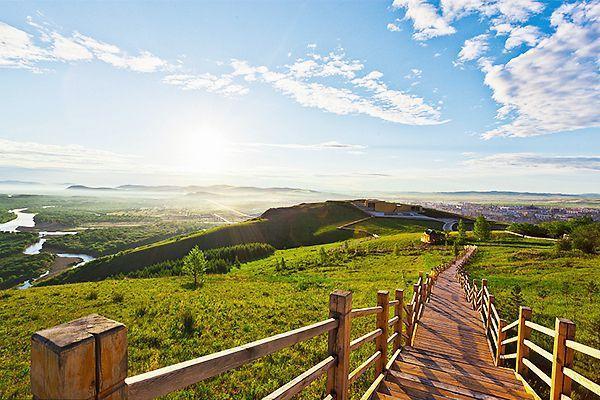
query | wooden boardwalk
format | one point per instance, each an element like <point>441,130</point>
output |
<point>450,357</point>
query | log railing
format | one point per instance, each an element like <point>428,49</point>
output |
<point>517,334</point>
<point>87,358</point>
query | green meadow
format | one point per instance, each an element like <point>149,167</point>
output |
<point>256,301</point>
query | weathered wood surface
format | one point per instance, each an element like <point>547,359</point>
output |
<point>450,357</point>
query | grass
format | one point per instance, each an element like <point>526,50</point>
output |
<point>305,224</point>
<point>168,322</point>
<point>553,285</point>
<point>6,216</point>
<point>392,226</point>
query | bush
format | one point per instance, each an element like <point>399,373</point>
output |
<point>93,295</point>
<point>563,244</point>
<point>118,297</point>
<point>187,321</point>
<point>587,238</point>
<point>482,230</point>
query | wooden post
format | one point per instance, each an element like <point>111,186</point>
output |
<point>398,311</point>
<point>409,321</point>
<point>417,304</point>
<point>81,359</point>
<point>340,305</point>
<point>500,349</point>
<point>474,296</point>
<point>562,357</point>
<point>425,285</point>
<point>488,321</point>
<point>483,287</point>
<point>383,300</point>
<point>524,333</point>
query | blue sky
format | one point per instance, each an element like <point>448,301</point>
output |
<point>356,96</point>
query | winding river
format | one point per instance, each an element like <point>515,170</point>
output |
<point>26,220</point>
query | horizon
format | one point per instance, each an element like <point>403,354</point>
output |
<point>389,96</point>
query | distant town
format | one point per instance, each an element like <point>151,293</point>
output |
<point>514,213</point>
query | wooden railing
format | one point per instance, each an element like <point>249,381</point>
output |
<point>517,334</point>
<point>87,358</point>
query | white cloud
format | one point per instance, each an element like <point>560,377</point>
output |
<point>331,145</point>
<point>67,49</point>
<point>18,50</point>
<point>393,27</point>
<point>415,73</point>
<point>473,48</point>
<point>529,35</point>
<point>70,157</point>
<point>430,21</point>
<point>540,162</point>
<point>553,86</point>
<point>222,84</point>
<point>427,23</point>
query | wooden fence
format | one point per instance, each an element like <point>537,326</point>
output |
<point>501,334</point>
<point>87,358</point>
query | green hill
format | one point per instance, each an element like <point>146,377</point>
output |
<point>288,227</point>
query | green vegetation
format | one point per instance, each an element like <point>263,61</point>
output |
<point>194,264</point>
<point>551,229</point>
<point>392,226</point>
<point>104,241</point>
<point>16,267</point>
<point>530,272</point>
<point>301,225</point>
<point>168,323</point>
<point>482,230</point>
<point>6,216</point>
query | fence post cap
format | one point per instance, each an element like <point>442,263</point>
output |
<point>64,336</point>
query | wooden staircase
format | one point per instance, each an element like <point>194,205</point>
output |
<point>450,357</point>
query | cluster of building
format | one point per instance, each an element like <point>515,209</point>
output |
<point>515,213</point>
<point>387,207</point>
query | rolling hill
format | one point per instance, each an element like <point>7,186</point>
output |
<point>287,227</point>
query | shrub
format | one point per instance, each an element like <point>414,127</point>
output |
<point>481,230</point>
<point>93,295</point>
<point>187,321</point>
<point>118,297</point>
<point>586,238</point>
<point>562,244</point>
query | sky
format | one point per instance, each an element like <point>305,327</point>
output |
<point>403,95</point>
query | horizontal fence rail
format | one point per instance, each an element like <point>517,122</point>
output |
<point>500,334</point>
<point>92,351</point>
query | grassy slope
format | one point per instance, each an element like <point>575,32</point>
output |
<point>305,224</point>
<point>552,285</point>
<point>6,216</point>
<point>251,303</point>
<point>392,226</point>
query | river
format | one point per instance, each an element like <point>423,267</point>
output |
<point>26,220</point>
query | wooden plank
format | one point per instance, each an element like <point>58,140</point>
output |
<point>541,351</point>
<point>373,388</point>
<point>354,375</point>
<point>463,380</point>
<point>165,380</point>
<point>356,343</point>
<point>338,344</point>
<point>587,350</point>
<point>510,326</point>
<point>296,385</point>
<point>362,312</point>
<point>534,368</point>
<point>539,328</point>
<point>450,387</point>
<point>583,381</point>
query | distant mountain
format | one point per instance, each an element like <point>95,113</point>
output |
<point>83,187</point>
<point>13,183</point>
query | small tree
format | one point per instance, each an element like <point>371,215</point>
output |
<point>462,231</point>
<point>195,264</point>
<point>586,238</point>
<point>396,250</point>
<point>456,248</point>
<point>562,244</point>
<point>481,230</point>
